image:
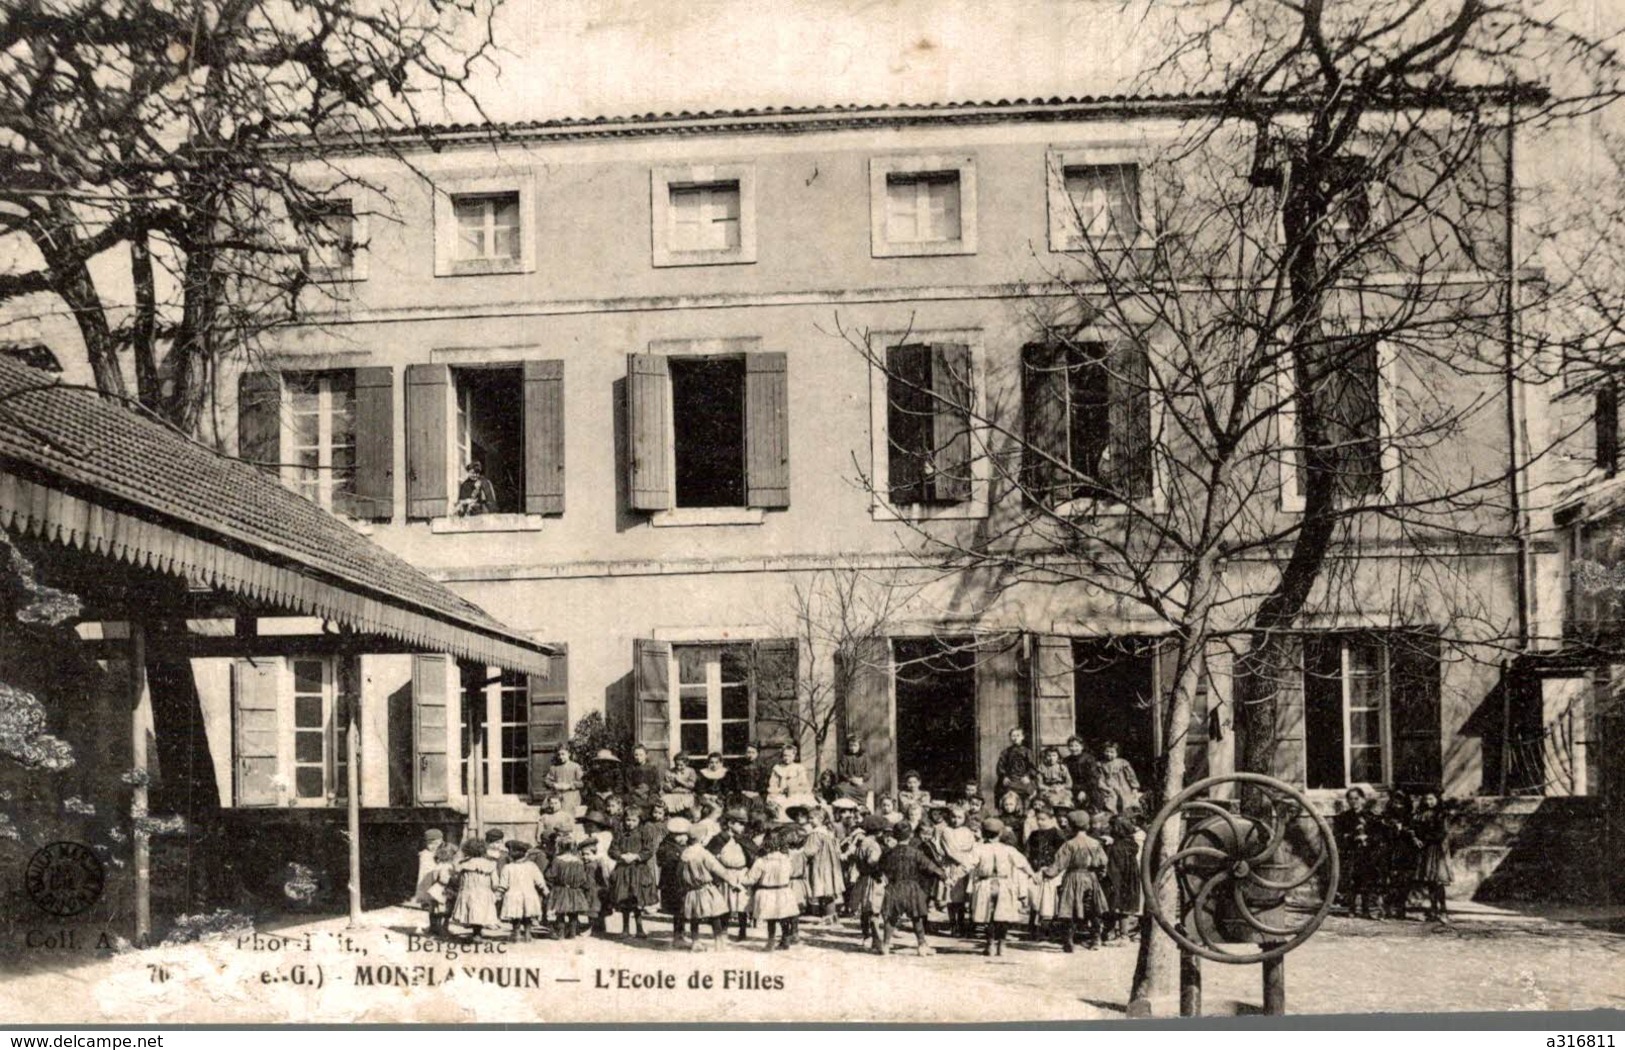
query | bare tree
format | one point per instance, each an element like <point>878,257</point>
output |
<point>1279,356</point>
<point>168,168</point>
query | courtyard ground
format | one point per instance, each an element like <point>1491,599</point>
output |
<point>1491,959</point>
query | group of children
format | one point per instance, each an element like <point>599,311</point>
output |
<point>1391,848</point>
<point>786,853</point>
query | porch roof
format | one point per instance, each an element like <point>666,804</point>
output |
<point>86,472</point>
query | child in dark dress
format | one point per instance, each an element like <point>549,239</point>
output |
<point>1433,868</point>
<point>1123,895</point>
<point>1352,830</point>
<point>909,875</point>
<point>1403,852</point>
<point>572,899</point>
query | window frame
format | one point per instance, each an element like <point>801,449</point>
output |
<point>713,686</point>
<point>322,272</point>
<point>1343,639</point>
<point>1064,234</point>
<point>501,358</point>
<point>1286,419</point>
<point>662,180</point>
<point>881,171</point>
<point>492,758</point>
<point>681,517</point>
<point>288,470</point>
<point>288,762</point>
<point>981,465</point>
<point>446,232</point>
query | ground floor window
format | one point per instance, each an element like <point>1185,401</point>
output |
<point>715,711</point>
<point>495,731</point>
<point>1346,711</point>
<point>935,692</point>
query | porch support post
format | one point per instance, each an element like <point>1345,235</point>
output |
<point>352,777</point>
<point>140,724</point>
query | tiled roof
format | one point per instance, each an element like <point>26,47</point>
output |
<point>110,455</point>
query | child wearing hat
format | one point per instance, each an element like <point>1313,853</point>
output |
<point>772,897</point>
<point>476,906</point>
<point>523,888</point>
<point>668,857</point>
<point>999,875</point>
<point>433,839</point>
<point>825,881</point>
<point>1080,863</point>
<point>571,883</point>
<point>868,894</point>
<point>442,892</point>
<point>908,873</point>
<point>735,851</point>
<point>704,881</point>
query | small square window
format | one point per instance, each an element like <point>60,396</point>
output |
<point>484,224</point>
<point>923,205</point>
<point>1105,201</point>
<point>487,227</point>
<point>703,215</point>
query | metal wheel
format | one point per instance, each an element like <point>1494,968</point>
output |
<point>1263,877</point>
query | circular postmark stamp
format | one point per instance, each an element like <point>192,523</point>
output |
<point>64,878</point>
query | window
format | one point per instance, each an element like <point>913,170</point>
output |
<point>922,206</point>
<point>484,224</point>
<point>336,236</point>
<point>1100,198</point>
<point>495,731</point>
<point>714,700</point>
<point>489,432</point>
<point>1346,729</point>
<point>703,214</point>
<point>487,227</point>
<point>927,428</point>
<point>1606,424</point>
<point>1352,391</point>
<point>320,461</point>
<point>1354,200</point>
<point>312,719</point>
<point>1087,424</point>
<point>708,434</point>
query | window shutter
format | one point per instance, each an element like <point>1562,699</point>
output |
<point>648,417</point>
<point>255,692</point>
<point>1130,390</point>
<point>1353,415</point>
<point>259,415</point>
<point>950,422</point>
<point>427,393</point>
<point>1414,671</point>
<point>374,443</point>
<point>1055,713</point>
<point>1045,456</point>
<point>544,437</point>
<point>651,668</point>
<point>865,672</point>
<point>549,717</point>
<point>778,712</point>
<point>1607,425</point>
<point>998,705</point>
<point>1287,757</point>
<point>909,423</point>
<point>429,728</point>
<point>767,431</point>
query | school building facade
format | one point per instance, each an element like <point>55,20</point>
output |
<point>650,332</point>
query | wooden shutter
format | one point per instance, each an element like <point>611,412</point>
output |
<point>1605,419</point>
<point>950,422</point>
<point>776,672</point>
<point>998,705</point>
<point>767,431</point>
<point>1129,383</point>
<point>1414,672</point>
<point>1055,711</point>
<point>1352,415</point>
<point>651,669</point>
<point>549,717</point>
<point>429,712</point>
<point>1287,756</point>
<point>544,437</point>
<point>1045,454</point>
<point>259,416</point>
<point>866,673</point>
<point>255,692</point>
<point>374,443</point>
<point>909,425</point>
<point>648,422</point>
<point>1193,734</point>
<point>428,391</point>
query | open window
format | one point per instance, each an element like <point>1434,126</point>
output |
<point>1087,427</point>
<point>506,418</point>
<point>926,425</point>
<point>709,436</point>
<point>337,237</point>
<point>290,718</point>
<point>1371,709</point>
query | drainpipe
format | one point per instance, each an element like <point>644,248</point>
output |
<point>1514,424</point>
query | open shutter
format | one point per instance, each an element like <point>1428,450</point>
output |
<point>767,431</point>
<point>544,437</point>
<point>909,425</point>
<point>651,667</point>
<point>428,392</point>
<point>259,407</point>
<point>255,693</point>
<point>549,717</point>
<point>1055,713</point>
<point>1129,383</point>
<point>374,444</point>
<point>950,422</point>
<point>1045,456</point>
<point>648,421</point>
<point>429,728</point>
<point>1193,735</point>
<point>866,673</point>
<point>778,714</point>
<point>1414,670</point>
<point>1287,757</point>
<point>998,704</point>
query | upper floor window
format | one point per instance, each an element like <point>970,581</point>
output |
<point>1605,420</point>
<point>321,439</point>
<point>927,425</point>
<point>1353,396</point>
<point>336,238</point>
<point>923,205</point>
<point>328,435</point>
<point>485,224</point>
<point>1099,198</point>
<point>1087,422</point>
<point>703,214</point>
